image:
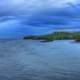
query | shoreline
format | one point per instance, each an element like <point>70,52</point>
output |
<point>55,36</point>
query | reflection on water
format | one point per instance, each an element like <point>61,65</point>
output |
<point>33,60</point>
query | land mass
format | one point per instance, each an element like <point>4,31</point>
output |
<point>56,36</point>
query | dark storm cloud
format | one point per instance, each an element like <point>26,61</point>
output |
<point>64,16</point>
<point>39,15</point>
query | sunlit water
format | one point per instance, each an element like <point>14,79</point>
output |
<point>34,60</point>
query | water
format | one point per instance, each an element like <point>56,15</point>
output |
<point>34,60</point>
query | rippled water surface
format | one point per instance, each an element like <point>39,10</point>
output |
<point>34,60</point>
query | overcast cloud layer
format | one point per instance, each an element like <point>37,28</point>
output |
<point>24,17</point>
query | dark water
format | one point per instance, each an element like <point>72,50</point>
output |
<point>33,60</point>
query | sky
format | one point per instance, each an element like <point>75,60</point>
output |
<point>30,17</point>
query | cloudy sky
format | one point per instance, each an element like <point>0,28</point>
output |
<point>25,17</point>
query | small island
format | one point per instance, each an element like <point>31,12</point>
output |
<point>56,36</point>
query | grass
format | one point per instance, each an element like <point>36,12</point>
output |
<point>56,36</point>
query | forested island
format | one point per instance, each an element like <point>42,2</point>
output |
<point>56,36</point>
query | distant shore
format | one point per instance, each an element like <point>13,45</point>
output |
<point>56,36</point>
